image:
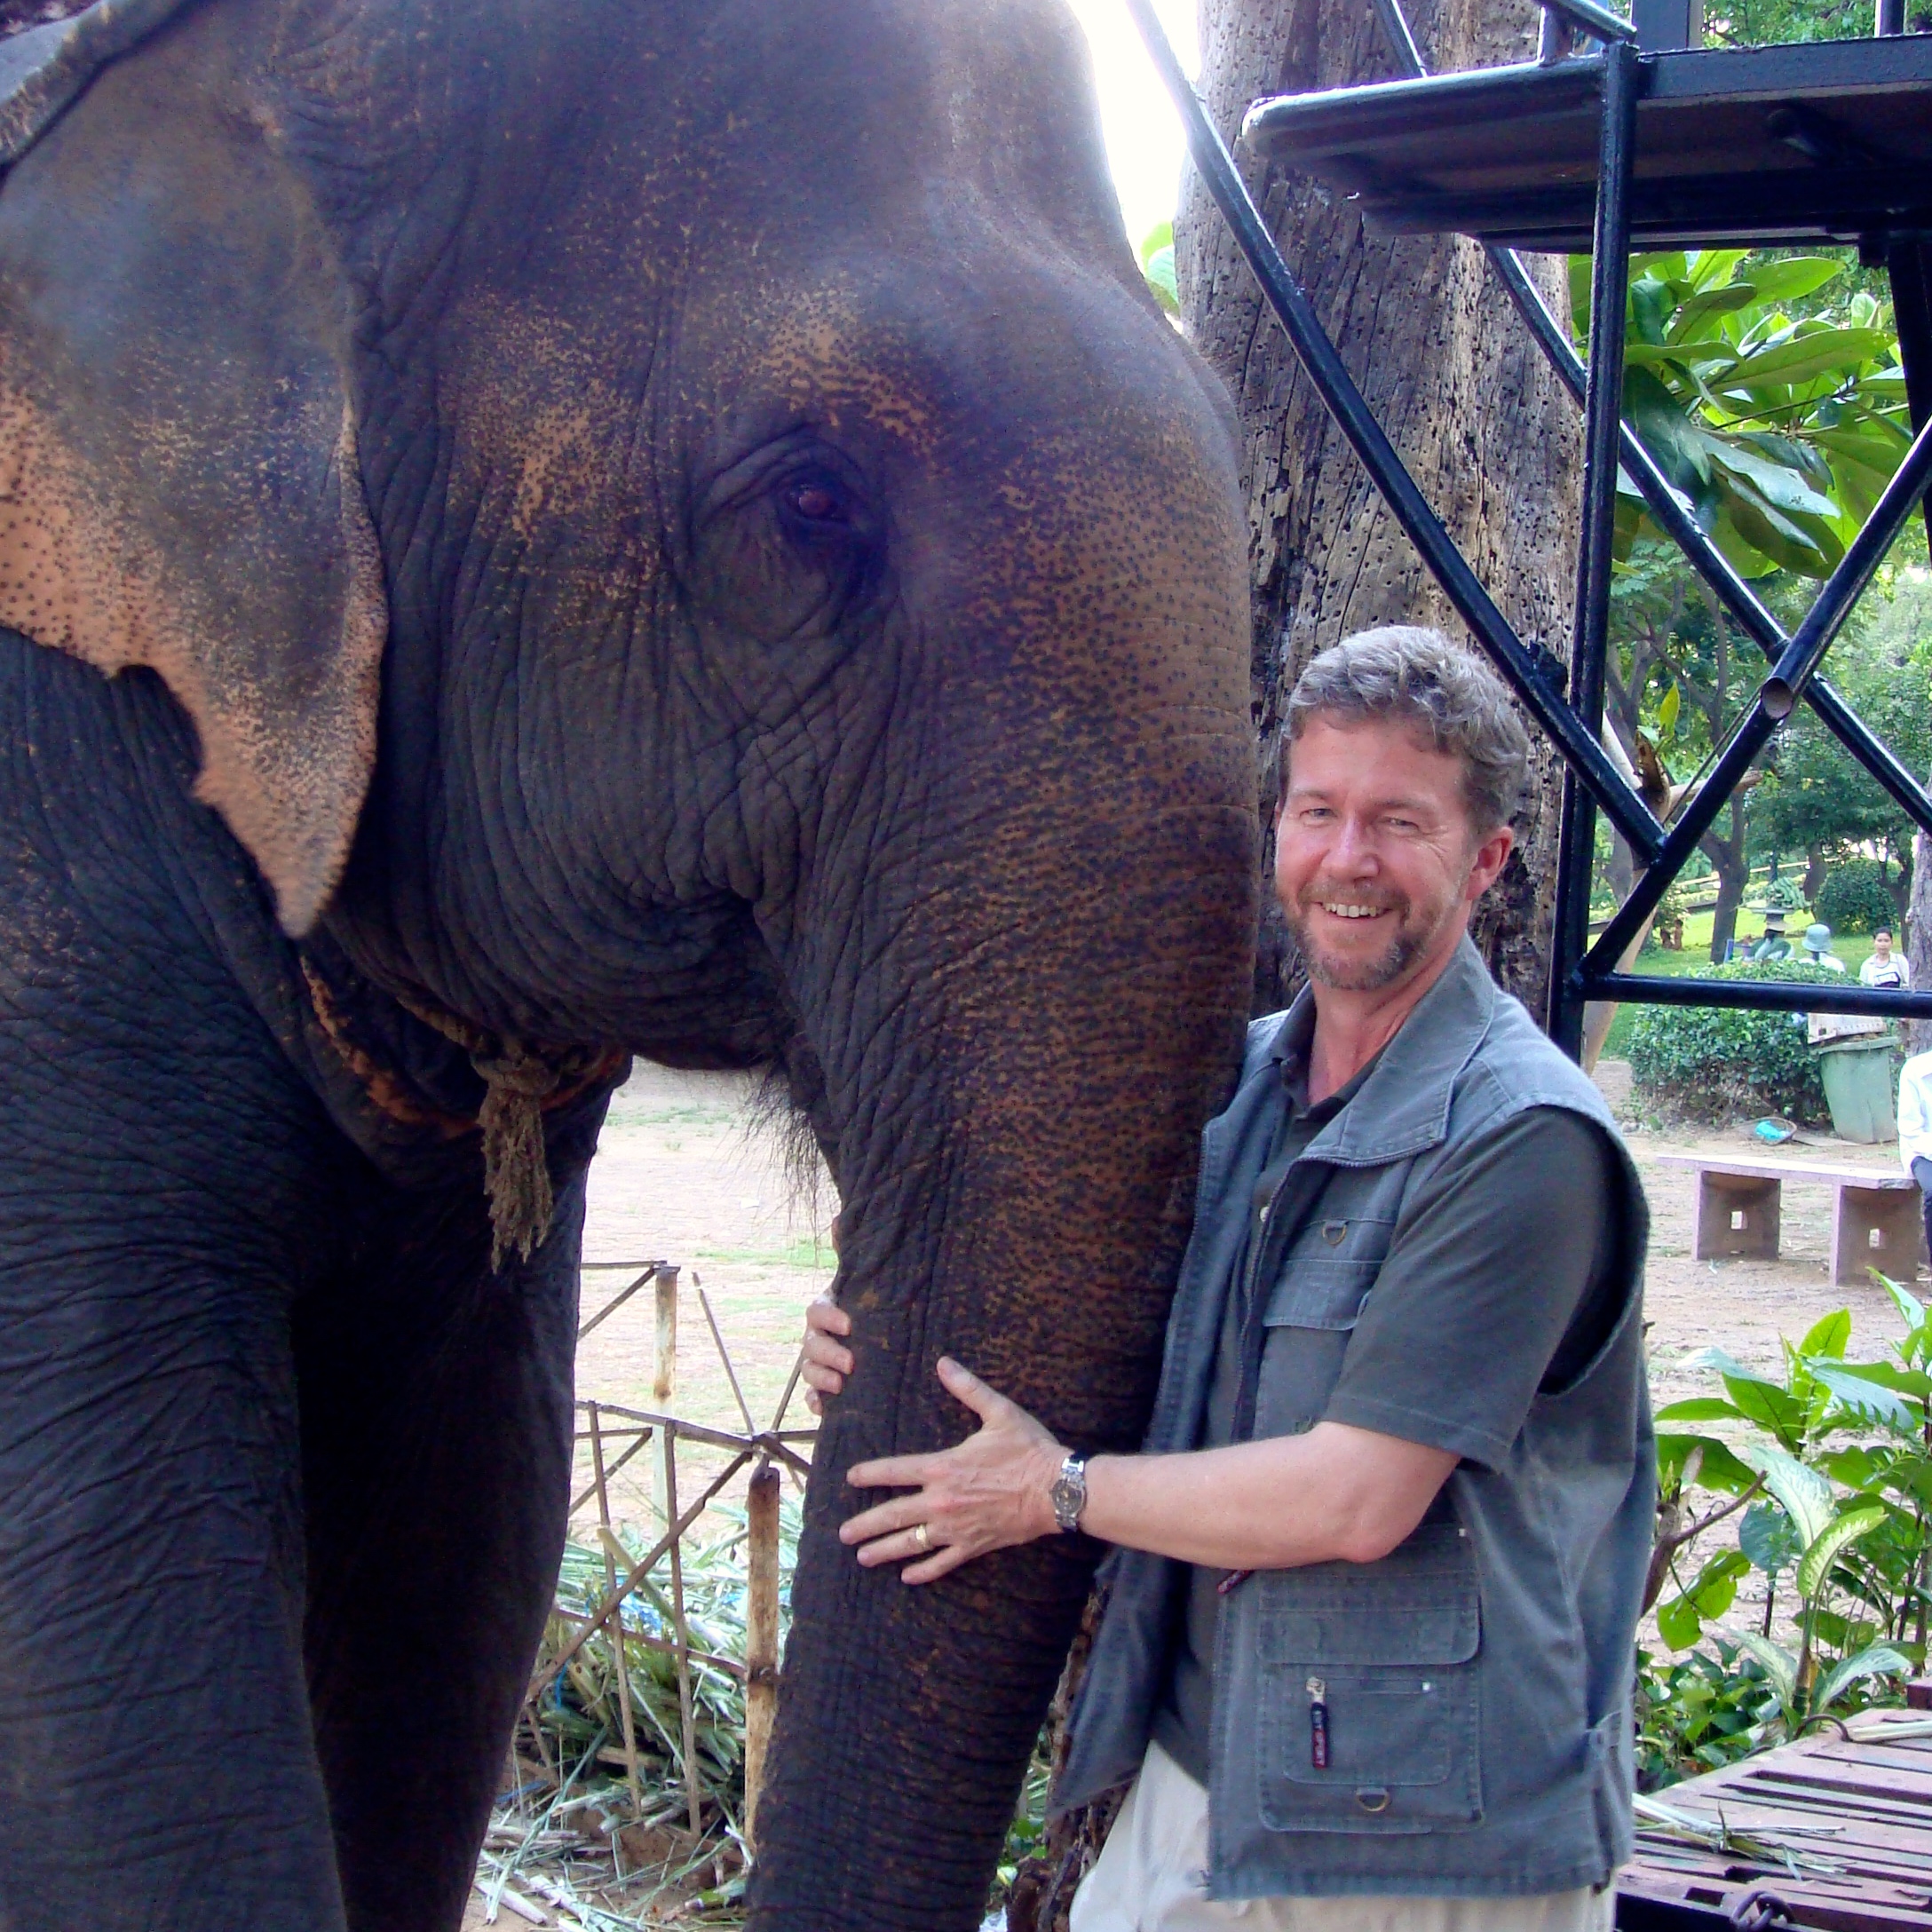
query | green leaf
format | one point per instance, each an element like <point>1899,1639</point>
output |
<point>1767,1538</point>
<point>1668,707</point>
<point>1815,1566</point>
<point>1801,1492</point>
<point>1154,241</point>
<point>1828,1335</point>
<point>1679,1623</point>
<point>1878,1660</point>
<point>1784,486</point>
<point>1802,359</point>
<point>1767,1405</point>
<point>1159,270</point>
<point>1716,1583</point>
<point>1701,308</point>
<point>1797,275</point>
<point>1718,1467</point>
<point>1701,1409</point>
<point>1777,1662</point>
<point>1868,1398</point>
<point>1905,1300</point>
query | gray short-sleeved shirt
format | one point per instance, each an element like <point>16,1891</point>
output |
<point>1502,1282</point>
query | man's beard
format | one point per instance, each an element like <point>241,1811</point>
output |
<point>1412,936</point>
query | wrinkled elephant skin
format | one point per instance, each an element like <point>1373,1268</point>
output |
<point>614,528</point>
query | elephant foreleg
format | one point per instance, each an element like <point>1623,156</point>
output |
<point>437,1424</point>
<point>156,1767</point>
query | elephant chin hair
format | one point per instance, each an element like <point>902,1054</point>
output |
<point>781,1121</point>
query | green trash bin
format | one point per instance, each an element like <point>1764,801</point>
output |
<point>1857,1076</point>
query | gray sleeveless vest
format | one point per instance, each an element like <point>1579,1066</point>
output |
<point>1483,1669</point>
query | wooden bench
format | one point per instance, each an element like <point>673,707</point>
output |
<point>1877,1219</point>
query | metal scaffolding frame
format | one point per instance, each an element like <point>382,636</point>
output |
<point>1340,129</point>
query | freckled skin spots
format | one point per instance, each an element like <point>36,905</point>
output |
<point>675,531</point>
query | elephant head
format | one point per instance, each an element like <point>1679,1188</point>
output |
<point>677,527</point>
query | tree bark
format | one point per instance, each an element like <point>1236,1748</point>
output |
<point>1455,379</point>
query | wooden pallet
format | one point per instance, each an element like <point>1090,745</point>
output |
<point>1852,1815</point>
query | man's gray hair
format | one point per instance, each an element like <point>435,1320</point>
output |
<point>1418,677</point>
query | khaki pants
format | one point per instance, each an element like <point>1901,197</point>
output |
<point>1152,1877</point>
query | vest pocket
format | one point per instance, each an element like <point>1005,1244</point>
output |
<point>1370,1710</point>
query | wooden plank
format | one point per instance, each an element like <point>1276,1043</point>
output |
<point>1789,1170</point>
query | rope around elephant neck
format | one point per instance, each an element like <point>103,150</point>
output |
<point>517,1080</point>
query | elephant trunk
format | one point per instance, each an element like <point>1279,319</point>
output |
<point>1052,1019</point>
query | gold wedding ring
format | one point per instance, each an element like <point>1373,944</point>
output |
<point>923,1535</point>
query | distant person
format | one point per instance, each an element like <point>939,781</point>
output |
<point>1915,1128</point>
<point>1817,949</point>
<point>1774,945</point>
<point>1885,968</point>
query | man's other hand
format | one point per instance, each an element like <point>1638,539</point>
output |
<point>990,1491</point>
<point>828,1361</point>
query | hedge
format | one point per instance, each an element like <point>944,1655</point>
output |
<point>1714,1064</point>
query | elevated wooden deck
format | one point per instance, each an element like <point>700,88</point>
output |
<point>1837,1828</point>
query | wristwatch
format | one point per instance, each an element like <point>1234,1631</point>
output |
<point>1068,1494</point>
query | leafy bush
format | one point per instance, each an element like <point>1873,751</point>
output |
<point>1708,1063</point>
<point>1854,898</point>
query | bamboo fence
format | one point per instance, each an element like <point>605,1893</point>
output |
<point>623,1831</point>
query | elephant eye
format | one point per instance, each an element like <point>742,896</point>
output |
<point>816,507</point>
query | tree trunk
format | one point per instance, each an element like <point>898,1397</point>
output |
<point>1814,873</point>
<point>1451,374</point>
<point>1733,876</point>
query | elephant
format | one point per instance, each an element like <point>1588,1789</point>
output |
<point>535,533</point>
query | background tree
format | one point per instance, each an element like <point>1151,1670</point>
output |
<point>1450,372</point>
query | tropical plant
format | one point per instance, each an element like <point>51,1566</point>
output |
<point>1831,1493</point>
<point>1778,423</point>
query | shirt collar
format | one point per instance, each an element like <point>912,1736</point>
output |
<point>1401,1105</point>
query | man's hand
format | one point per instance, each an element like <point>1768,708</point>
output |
<point>827,1363</point>
<point>992,1490</point>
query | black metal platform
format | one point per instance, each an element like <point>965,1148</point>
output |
<point>1830,141</point>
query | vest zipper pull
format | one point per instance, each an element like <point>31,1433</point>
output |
<point>1318,1724</point>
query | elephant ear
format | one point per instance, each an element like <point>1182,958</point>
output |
<point>179,485</point>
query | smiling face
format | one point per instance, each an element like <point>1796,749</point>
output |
<point>1377,865</point>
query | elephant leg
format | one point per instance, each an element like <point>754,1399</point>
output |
<point>437,1424</point>
<point>156,1771</point>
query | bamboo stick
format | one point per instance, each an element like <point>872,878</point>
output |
<point>724,1356</point>
<point>644,1436</point>
<point>685,1714</point>
<point>617,1630</point>
<point>618,1300</point>
<point>761,1636</point>
<point>664,1374</point>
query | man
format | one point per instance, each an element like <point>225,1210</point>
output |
<point>1884,967</point>
<point>1366,1652</point>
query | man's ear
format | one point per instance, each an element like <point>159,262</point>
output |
<point>179,485</point>
<point>1486,864</point>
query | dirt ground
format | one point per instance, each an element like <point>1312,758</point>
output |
<point>687,1173</point>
